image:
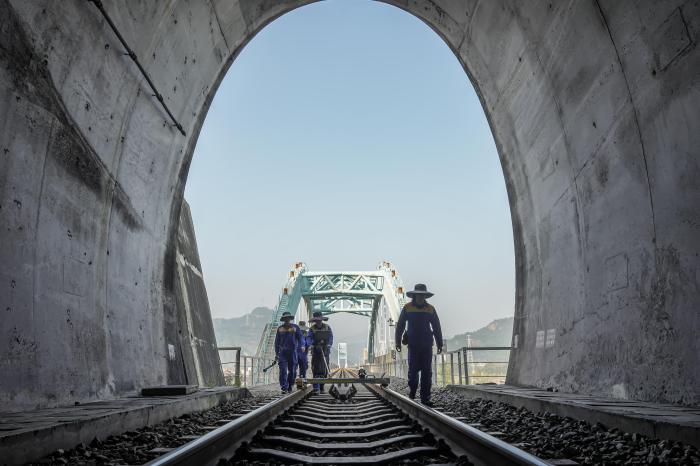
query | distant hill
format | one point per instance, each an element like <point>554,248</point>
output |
<point>245,332</point>
<point>497,333</point>
<point>242,331</point>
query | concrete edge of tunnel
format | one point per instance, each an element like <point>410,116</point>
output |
<point>36,441</point>
<point>661,429</point>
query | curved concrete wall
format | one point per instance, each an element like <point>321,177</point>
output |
<point>594,106</point>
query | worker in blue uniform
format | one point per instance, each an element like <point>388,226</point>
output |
<point>288,343</point>
<point>303,355</point>
<point>321,340</point>
<point>423,327</point>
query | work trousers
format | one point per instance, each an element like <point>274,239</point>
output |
<point>420,361</point>
<point>319,367</point>
<point>303,358</point>
<point>288,368</point>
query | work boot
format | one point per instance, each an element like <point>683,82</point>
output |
<point>412,396</point>
<point>284,391</point>
<point>427,403</point>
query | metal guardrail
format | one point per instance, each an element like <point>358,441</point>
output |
<point>450,367</point>
<point>246,371</point>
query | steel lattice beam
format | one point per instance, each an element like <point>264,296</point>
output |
<point>377,294</point>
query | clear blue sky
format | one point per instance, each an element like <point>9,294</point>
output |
<point>347,133</point>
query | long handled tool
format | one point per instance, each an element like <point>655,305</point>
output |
<point>323,354</point>
<point>270,366</point>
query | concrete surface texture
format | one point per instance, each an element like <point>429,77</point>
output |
<point>29,435</point>
<point>594,107</point>
<point>655,420</point>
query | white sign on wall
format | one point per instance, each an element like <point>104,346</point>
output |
<point>539,342</point>
<point>551,334</point>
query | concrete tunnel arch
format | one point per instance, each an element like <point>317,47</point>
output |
<point>594,107</point>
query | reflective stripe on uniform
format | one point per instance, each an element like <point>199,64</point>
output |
<point>428,309</point>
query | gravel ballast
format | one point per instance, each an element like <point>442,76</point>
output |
<point>553,437</point>
<point>132,448</point>
<point>543,434</point>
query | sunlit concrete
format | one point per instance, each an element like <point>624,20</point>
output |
<point>594,106</point>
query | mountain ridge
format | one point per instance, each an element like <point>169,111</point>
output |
<point>245,331</point>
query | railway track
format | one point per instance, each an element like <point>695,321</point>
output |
<point>375,426</point>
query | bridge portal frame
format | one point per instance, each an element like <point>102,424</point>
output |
<point>379,295</point>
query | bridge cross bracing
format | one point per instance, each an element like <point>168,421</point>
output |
<point>378,295</point>
<point>352,292</point>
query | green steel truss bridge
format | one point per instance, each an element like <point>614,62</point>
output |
<point>378,295</point>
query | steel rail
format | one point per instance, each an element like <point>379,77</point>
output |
<point>224,441</point>
<point>463,440</point>
<point>132,55</point>
<point>479,447</point>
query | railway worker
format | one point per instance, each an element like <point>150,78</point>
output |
<point>303,355</point>
<point>288,343</point>
<point>321,339</point>
<point>423,327</point>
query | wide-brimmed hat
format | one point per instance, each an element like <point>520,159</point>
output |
<point>318,317</point>
<point>286,316</point>
<point>420,288</point>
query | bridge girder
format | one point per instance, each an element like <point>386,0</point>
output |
<point>378,295</point>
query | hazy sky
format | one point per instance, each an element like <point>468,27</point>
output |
<point>346,133</point>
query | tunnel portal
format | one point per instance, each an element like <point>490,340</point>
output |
<point>594,107</point>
